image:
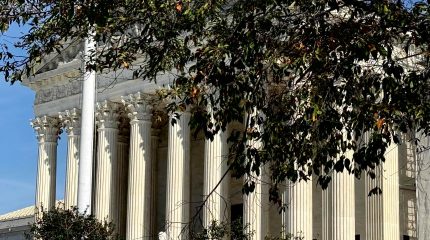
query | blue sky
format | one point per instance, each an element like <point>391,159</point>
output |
<point>18,145</point>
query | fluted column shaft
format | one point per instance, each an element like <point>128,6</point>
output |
<point>122,183</point>
<point>139,181</point>
<point>47,129</point>
<point>71,122</point>
<point>215,187</point>
<point>256,203</point>
<point>374,207</point>
<point>390,194</point>
<point>256,207</point>
<point>72,168</point>
<point>297,218</point>
<point>138,221</point>
<point>178,178</point>
<point>107,165</point>
<point>382,211</point>
<point>154,183</point>
<point>339,208</point>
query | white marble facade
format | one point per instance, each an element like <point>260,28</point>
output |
<point>150,176</point>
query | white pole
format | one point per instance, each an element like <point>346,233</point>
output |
<point>87,133</point>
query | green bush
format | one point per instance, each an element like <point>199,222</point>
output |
<point>61,224</point>
<point>219,231</point>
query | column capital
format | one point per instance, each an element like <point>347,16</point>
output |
<point>70,120</point>
<point>159,119</point>
<point>47,128</point>
<point>107,114</point>
<point>124,129</point>
<point>138,107</point>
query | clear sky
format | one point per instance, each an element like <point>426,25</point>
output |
<point>18,145</point>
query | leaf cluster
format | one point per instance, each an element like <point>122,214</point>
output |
<point>235,230</point>
<point>323,85</point>
<point>70,225</point>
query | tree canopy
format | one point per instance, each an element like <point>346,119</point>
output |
<point>308,78</point>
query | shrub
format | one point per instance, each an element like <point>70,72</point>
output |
<point>61,224</point>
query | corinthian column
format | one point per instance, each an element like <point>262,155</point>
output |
<point>107,165</point>
<point>71,122</point>
<point>154,183</point>
<point>390,193</point>
<point>382,211</point>
<point>297,218</point>
<point>256,203</point>
<point>256,207</point>
<point>122,183</point>
<point>178,178</point>
<point>374,207</point>
<point>338,207</point>
<point>215,187</point>
<point>159,119</point>
<point>139,182</point>
<point>47,129</point>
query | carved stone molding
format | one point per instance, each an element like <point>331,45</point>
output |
<point>138,107</point>
<point>107,114</point>
<point>57,92</point>
<point>47,128</point>
<point>70,120</point>
<point>69,84</point>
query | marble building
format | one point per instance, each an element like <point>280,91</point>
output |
<point>151,177</point>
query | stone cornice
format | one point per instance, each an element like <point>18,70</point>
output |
<point>47,128</point>
<point>51,99</point>
<point>71,50</point>
<point>67,79</point>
